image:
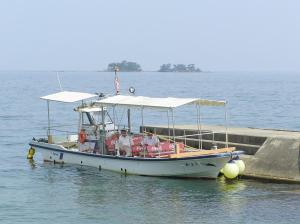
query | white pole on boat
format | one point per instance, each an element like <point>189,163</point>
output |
<point>169,131</point>
<point>81,113</point>
<point>48,130</point>
<point>117,120</point>
<point>142,113</point>
<point>174,139</point>
<point>226,124</point>
<point>184,136</point>
<point>200,121</point>
<point>114,116</point>
<point>199,124</point>
<point>129,121</point>
<point>79,122</point>
<point>103,130</point>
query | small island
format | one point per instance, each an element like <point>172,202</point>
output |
<point>128,66</point>
<point>124,66</point>
<point>178,68</point>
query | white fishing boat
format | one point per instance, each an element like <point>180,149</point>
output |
<point>96,141</point>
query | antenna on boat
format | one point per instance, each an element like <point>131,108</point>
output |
<point>58,79</point>
<point>117,83</point>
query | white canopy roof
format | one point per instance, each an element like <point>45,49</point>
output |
<point>169,102</point>
<point>68,96</point>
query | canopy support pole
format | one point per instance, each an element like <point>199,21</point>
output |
<point>102,135</point>
<point>79,123</point>
<point>226,124</point>
<point>199,126</point>
<point>142,113</point>
<point>143,128</point>
<point>114,116</point>
<point>129,122</point>
<point>200,121</point>
<point>174,138</point>
<point>48,129</point>
<point>169,131</point>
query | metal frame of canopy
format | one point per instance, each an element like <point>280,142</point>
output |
<point>64,97</point>
<point>164,103</point>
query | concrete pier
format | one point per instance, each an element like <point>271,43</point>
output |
<point>269,154</point>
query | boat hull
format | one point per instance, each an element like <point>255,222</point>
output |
<point>207,166</point>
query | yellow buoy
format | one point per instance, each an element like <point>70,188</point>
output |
<point>231,170</point>
<point>222,171</point>
<point>31,153</point>
<point>241,165</point>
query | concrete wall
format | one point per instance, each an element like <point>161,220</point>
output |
<point>277,159</point>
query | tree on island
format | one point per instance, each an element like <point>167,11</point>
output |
<point>124,66</point>
<point>178,68</point>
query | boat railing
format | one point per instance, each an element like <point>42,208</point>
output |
<point>59,135</point>
<point>61,126</point>
<point>63,134</point>
<point>199,137</point>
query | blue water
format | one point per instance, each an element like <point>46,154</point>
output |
<point>37,192</point>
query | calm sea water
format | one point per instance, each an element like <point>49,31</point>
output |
<point>37,192</point>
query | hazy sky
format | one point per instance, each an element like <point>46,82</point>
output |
<point>216,35</point>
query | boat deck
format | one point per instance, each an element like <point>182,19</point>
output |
<point>155,152</point>
<point>202,152</point>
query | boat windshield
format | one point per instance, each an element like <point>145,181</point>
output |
<point>96,116</point>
